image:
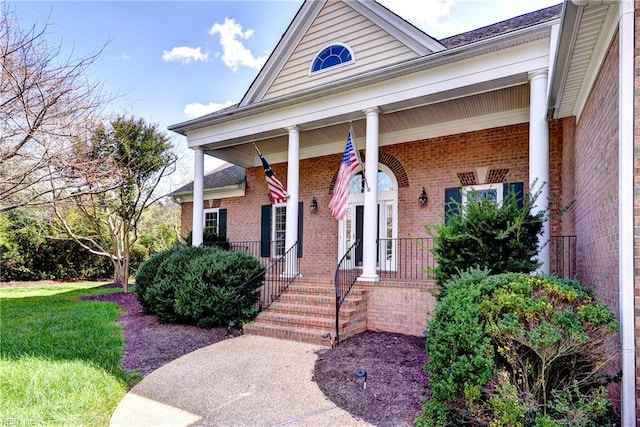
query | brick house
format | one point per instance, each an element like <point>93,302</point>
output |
<point>546,97</point>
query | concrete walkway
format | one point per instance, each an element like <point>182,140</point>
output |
<point>244,381</point>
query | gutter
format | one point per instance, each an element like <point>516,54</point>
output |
<point>626,210</point>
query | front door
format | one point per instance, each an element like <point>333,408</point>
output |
<point>352,227</point>
<point>357,225</point>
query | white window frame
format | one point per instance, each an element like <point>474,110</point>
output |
<point>279,247</point>
<point>499,187</point>
<point>342,64</point>
<point>204,218</point>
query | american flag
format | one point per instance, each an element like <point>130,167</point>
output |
<point>340,198</point>
<point>277,192</point>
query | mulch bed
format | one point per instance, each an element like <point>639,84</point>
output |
<point>150,344</point>
<point>396,382</point>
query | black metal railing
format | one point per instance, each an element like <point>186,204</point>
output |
<point>409,258</point>
<point>562,252</point>
<point>346,275</point>
<point>253,248</point>
<point>275,279</point>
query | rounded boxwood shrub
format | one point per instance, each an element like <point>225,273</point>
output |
<point>519,350</point>
<point>209,294</point>
<point>146,274</point>
<point>199,285</point>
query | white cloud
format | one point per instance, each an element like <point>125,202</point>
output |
<point>435,22</point>
<point>234,53</point>
<point>123,56</point>
<point>196,109</point>
<point>184,54</point>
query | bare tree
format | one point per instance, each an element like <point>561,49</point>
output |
<point>47,108</point>
<point>135,157</point>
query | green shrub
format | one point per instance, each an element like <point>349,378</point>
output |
<point>161,294</point>
<point>146,274</point>
<point>198,285</point>
<point>208,294</point>
<point>502,237</point>
<point>515,349</point>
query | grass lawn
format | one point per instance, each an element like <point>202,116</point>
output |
<point>59,356</point>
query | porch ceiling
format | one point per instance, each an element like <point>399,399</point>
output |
<point>328,138</point>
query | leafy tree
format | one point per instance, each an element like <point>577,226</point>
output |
<point>135,156</point>
<point>31,250</point>
<point>47,107</point>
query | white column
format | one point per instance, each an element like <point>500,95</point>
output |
<point>293,175</point>
<point>198,198</point>
<point>626,75</point>
<point>370,226</point>
<point>539,158</point>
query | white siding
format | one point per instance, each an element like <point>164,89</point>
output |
<point>338,23</point>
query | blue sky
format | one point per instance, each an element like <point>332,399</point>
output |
<point>170,61</point>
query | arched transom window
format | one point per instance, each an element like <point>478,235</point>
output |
<point>332,56</point>
<point>357,184</point>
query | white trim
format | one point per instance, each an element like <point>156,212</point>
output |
<point>288,42</point>
<point>216,193</point>
<point>499,187</point>
<point>204,218</point>
<point>273,228</point>
<point>415,39</point>
<point>334,67</point>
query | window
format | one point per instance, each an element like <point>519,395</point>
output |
<point>479,193</point>
<point>357,184</point>
<point>332,56</point>
<point>273,229</point>
<point>456,196</point>
<point>211,220</point>
<point>279,228</point>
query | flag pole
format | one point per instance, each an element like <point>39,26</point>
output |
<point>355,146</point>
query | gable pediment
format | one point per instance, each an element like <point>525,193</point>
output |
<point>375,36</point>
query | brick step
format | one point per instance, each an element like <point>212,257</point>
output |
<point>311,309</point>
<point>291,333</point>
<point>320,290</point>
<point>324,300</point>
<point>286,319</point>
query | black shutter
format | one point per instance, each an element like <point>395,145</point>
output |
<point>222,222</point>
<point>300,215</point>
<point>517,188</point>
<point>452,202</point>
<point>265,231</point>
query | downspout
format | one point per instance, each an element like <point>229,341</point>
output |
<point>625,211</point>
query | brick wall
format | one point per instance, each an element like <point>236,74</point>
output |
<point>590,179</point>
<point>400,307</point>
